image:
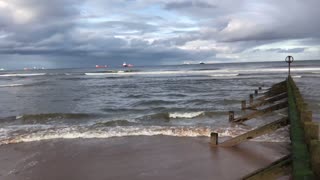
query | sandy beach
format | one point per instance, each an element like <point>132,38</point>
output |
<point>140,157</point>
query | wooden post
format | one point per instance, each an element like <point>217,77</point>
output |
<point>251,99</point>
<point>243,105</point>
<point>256,92</point>
<point>231,116</point>
<point>214,138</point>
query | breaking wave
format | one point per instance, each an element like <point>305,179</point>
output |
<point>22,75</point>
<point>49,116</point>
<point>223,75</point>
<point>115,123</point>
<point>210,72</point>
<point>187,115</point>
<point>10,85</point>
<point>107,132</point>
<point>101,131</point>
<point>168,116</point>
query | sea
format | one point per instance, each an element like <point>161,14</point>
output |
<point>175,100</point>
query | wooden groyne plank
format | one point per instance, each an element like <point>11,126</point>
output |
<point>261,112</point>
<point>275,170</point>
<point>273,99</point>
<point>300,154</point>
<point>274,90</point>
<point>255,133</point>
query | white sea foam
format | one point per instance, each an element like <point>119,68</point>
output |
<point>97,74</point>
<point>185,114</point>
<point>223,75</point>
<point>74,132</point>
<point>10,85</point>
<point>22,75</point>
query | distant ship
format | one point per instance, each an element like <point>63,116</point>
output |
<point>101,66</point>
<point>126,65</point>
<point>201,62</point>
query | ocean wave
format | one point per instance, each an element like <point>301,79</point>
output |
<point>311,76</point>
<point>104,73</point>
<point>115,123</point>
<point>296,76</point>
<point>153,102</point>
<point>136,96</point>
<point>213,72</point>
<point>183,72</point>
<point>167,116</point>
<point>10,85</point>
<point>122,131</point>
<point>199,101</point>
<point>223,75</point>
<point>106,132</point>
<point>98,74</point>
<point>187,115</point>
<point>50,116</point>
<point>22,75</point>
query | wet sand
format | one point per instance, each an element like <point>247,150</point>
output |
<point>140,157</point>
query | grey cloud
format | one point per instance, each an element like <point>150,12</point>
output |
<point>124,26</point>
<point>188,4</point>
<point>280,50</point>
<point>98,30</point>
<point>293,50</point>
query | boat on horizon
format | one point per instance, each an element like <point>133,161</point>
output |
<point>126,65</point>
<point>101,66</point>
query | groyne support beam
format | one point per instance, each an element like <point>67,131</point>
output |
<point>268,100</point>
<point>255,133</point>
<point>261,112</point>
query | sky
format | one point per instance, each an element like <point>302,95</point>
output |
<point>84,33</point>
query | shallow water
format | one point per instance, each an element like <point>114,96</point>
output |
<point>186,100</point>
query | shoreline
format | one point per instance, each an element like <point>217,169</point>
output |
<point>136,157</point>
